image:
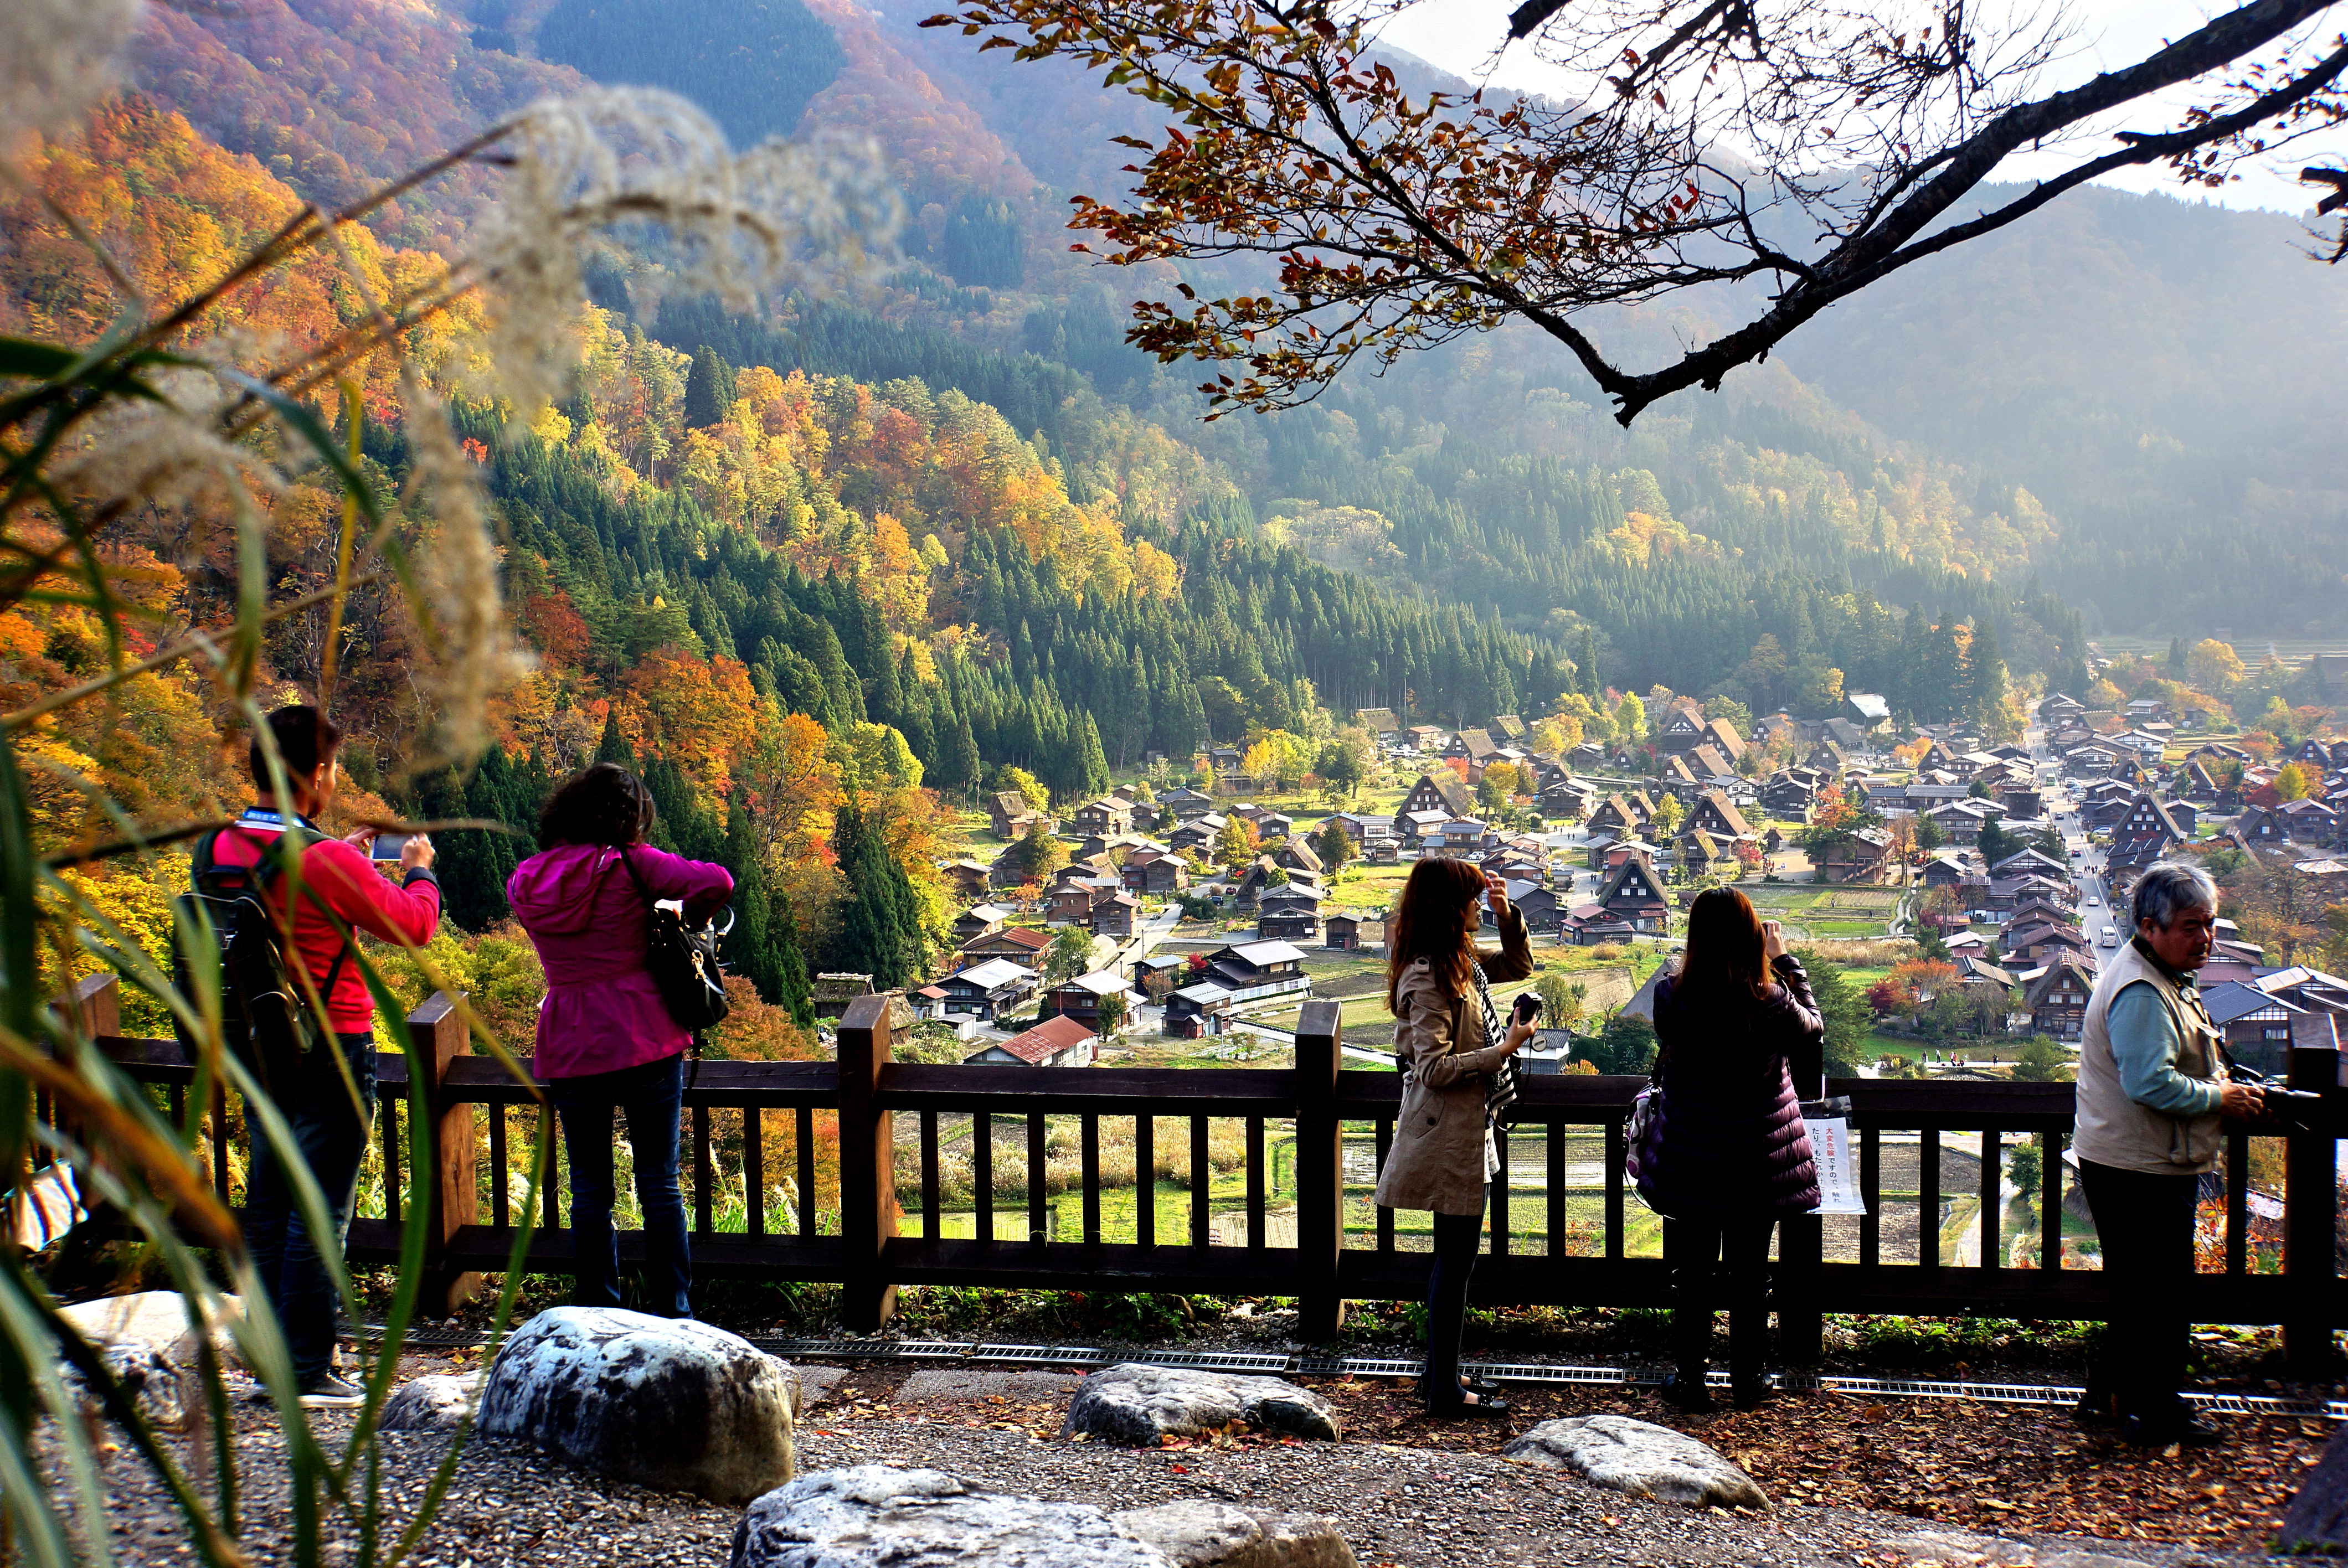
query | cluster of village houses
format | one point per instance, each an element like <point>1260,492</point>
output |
<point>2015,926</point>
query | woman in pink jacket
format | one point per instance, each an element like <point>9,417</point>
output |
<point>605,1040</point>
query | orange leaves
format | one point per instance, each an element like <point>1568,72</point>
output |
<point>700,714</point>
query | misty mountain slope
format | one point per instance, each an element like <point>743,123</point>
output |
<point>2170,378</point>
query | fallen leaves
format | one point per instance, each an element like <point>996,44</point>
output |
<point>2009,1469</point>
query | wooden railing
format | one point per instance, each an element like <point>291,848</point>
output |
<point>889,1222</point>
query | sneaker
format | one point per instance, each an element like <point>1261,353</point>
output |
<point>332,1392</point>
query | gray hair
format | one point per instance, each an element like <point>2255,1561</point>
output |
<point>2170,889</point>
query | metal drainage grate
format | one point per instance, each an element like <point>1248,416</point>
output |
<point>1304,1364</point>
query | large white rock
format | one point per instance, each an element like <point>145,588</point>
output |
<point>664,1403</point>
<point>1200,1533</point>
<point>1134,1405</point>
<point>440,1399</point>
<point>874,1516</point>
<point>160,1392</point>
<point>156,1320</point>
<point>1639,1458</point>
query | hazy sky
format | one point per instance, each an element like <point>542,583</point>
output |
<point>1458,34</point>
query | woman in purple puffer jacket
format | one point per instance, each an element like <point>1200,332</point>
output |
<point>606,1039</point>
<point>1738,1031</point>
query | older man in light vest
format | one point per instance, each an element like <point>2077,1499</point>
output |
<point>2152,1092</point>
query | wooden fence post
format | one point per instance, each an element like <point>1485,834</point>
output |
<point>1801,1260</point>
<point>445,1185</point>
<point>96,1004</point>
<point>1320,1172</point>
<point>868,1162</point>
<point>2310,1213</point>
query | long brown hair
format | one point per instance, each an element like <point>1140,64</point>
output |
<point>1724,947</point>
<point>1435,920</point>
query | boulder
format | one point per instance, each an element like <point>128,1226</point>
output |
<point>442,1399</point>
<point>156,1319</point>
<point>1639,1458</point>
<point>2317,1519</point>
<point>665,1403</point>
<point>1209,1534</point>
<point>876,1516</point>
<point>158,1390</point>
<point>1960,1548</point>
<point>1134,1405</point>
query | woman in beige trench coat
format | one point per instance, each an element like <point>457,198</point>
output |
<point>1449,1048</point>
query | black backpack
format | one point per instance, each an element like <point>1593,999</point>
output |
<point>683,963</point>
<point>266,1017</point>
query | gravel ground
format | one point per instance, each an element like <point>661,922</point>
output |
<point>1399,1501</point>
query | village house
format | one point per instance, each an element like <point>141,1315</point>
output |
<point>1290,914</point>
<point>984,990</point>
<point>1439,791</point>
<point>1009,813</point>
<point>1350,933</point>
<point>1633,892</point>
<point>1070,903</point>
<point>1621,815</point>
<point>964,880</point>
<point>2029,947</point>
<point>1708,763</point>
<point>1084,998</point>
<point>1787,797</point>
<point>1059,1042</point>
<point>1116,915</point>
<point>1380,723</point>
<point>1680,727</point>
<point>2057,1000</point>
<point>830,993</point>
<point>978,920</point>
<point>1020,944</point>
<point>1861,855</point>
<point>1198,833</point>
<point>1186,804</point>
<point>1107,815</point>
<point>1253,971</point>
<point>1590,925</point>
<point>1427,739</point>
<point>1477,747</point>
<point>1866,709</point>
<point>2146,835</point>
<point>1714,815</point>
<point>1158,873</point>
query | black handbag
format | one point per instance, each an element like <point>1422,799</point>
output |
<point>683,962</point>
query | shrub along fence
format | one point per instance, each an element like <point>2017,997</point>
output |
<point>869,1242</point>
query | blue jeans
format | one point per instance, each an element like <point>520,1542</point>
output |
<point>652,1095</point>
<point>332,1133</point>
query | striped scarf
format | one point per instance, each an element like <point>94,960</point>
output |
<point>1500,1088</point>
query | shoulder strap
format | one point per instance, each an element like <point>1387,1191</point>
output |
<point>637,877</point>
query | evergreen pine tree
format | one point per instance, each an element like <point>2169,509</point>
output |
<point>875,937</point>
<point>708,388</point>
<point>1989,678</point>
<point>749,947</point>
<point>791,989</point>
<point>1092,761</point>
<point>614,747</point>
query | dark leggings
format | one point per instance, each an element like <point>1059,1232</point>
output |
<point>1456,1236</point>
<point>1710,1260</point>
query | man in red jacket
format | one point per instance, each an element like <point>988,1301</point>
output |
<point>339,883</point>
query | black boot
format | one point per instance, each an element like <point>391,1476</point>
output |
<point>1685,1390</point>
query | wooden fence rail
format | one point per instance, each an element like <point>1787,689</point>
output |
<point>889,1221</point>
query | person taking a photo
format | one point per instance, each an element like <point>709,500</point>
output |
<point>329,1104</point>
<point>1455,1051</point>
